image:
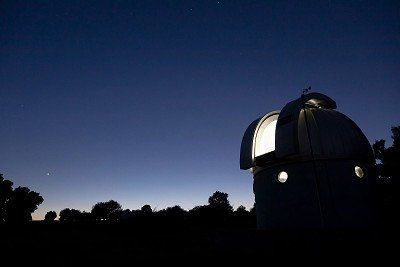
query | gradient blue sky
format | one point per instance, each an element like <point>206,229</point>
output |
<point>145,102</point>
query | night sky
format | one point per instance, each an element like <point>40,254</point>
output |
<point>145,102</point>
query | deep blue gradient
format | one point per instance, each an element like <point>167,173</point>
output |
<point>146,102</point>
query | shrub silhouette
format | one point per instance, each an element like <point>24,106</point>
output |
<point>107,211</point>
<point>70,215</point>
<point>146,210</point>
<point>50,216</point>
<point>175,211</point>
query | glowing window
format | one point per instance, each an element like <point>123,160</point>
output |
<point>359,172</point>
<point>265,136</point>
<point>282,177</point>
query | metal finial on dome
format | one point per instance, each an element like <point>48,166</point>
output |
<point>306,90</point>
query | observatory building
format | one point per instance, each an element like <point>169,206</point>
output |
<point>312,167</point>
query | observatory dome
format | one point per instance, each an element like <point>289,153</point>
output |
<point>298,133</point>
<point>312,167</point>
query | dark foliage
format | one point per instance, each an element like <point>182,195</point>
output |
<point>218,212</point>
<point>71,215</point>
<point>50,216</point>
<point>389,157</point>
<point>388,183</point>
<point>107,211</point>
<point>175,211</point>
<point>241,211</point>
<point>128,215</point>
<point>6,192</point>
<point>17,205</point>
<point>219,200</point>
<point>146,210</point>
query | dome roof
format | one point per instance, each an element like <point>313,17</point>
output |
<point>332,134</point>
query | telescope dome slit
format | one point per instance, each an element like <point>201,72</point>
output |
<point>265,136</point>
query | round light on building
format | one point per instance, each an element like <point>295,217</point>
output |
<point>359,171</point>
<point>282,176</point>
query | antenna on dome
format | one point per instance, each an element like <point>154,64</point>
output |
<point>306,90</point>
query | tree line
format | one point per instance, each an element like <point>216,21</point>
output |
<point>17,205</point>
<point>218,211</point>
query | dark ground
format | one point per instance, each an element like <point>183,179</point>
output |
<point>125,244</point>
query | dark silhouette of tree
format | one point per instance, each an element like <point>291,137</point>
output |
<point>65,215</point>
<point>6,191</point>
<point>241,211</point>
<point>388,183</point>
<point>107,211</point>
<point>219,200</point>
<point>216,213</point>
<point>175,211</point>
<point>146,210</point>
<point>22,204</point>
<point>50,216</point>
<point>70,215</point>
<point>17,205</point>
<point>389,157</point>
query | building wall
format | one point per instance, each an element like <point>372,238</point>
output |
<point>346,201</point>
